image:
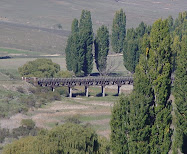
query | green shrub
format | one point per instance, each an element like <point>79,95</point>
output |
<point>74,119</point>
<point>64,74</point>
<point>68,138</point>
<point>20,89</point>
<point>28,123</point>
<point>24,131</point>
<point>29,101</point>
<point>32,90</point>
<point>3,134</point>
<point>39,68</point>
<point>10,96</point>
<point>62,91</point>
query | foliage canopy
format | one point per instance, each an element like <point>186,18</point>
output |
<point>39,68</point>
<point>68,138</point>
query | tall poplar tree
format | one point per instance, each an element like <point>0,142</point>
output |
<point>77,57</point>
<point>146,126</point>
<point>86,40</point>
<point>118,31</point>
<point>101,49</point>
<point>68,54</point>
<point>180,93</point>
<point>159,62</point>
<point>132,46</point>
<point>71,46</point>
<point>120,126</point>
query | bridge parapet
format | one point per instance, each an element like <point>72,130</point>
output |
<point>92,81</point>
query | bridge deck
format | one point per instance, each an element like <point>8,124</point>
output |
<point>84,81</point>
<point>100,81</point>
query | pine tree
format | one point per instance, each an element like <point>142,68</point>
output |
<point>118,31</point>
<point>180,93</point>
<point>86,40</point>
<point>101,49</point>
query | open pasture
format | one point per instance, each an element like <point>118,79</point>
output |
<point>43,25</point>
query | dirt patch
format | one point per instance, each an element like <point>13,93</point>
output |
<point>13,122</point>
<point>109,104</point>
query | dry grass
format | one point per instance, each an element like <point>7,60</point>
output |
<point>49,13</point>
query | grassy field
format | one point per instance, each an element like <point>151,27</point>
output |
<point>11,65</point>
<point>22,22</point>
<point>95,109</point>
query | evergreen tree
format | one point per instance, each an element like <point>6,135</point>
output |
<point>86,40</point>
<point>180,93</point>
<point>118,31</point>
<point>101,49</point>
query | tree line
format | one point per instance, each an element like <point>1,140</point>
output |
<point>79,56</point>
<point>142,122</point>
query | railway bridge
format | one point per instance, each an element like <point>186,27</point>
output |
<point>84,81</point>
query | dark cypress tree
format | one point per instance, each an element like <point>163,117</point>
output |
<point>101,49</point>
<point>118,31</point>
<point>86,40</point>
<point>180,93</point>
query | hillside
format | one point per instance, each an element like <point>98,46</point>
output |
<point>43,25</point>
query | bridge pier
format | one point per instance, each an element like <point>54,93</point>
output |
<point>119,90</point>
<point>70,92</point>
<point>35,81</point>
<point>103,91</point>
<point>53,89</point>
<point>86,91</point>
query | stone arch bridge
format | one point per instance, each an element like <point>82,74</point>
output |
<point>84,81</point>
